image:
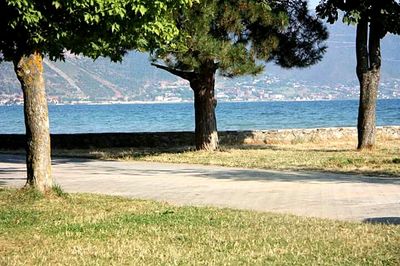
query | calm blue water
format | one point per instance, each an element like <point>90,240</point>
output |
<point>180,117</point>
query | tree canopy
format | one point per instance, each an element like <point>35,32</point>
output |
<point>384,12</point>
<point>239,34</point>
<point>90,27</point>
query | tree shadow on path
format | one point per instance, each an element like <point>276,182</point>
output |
<point>266,175</point>
<point>383,220</point>
<point>148,169</point>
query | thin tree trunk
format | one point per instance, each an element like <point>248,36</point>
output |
<point>368,73</point>
<point>29,70</point>
<point>206,134</point>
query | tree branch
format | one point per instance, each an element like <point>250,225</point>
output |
<point>188,75</point>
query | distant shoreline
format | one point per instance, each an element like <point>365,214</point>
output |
<point>145,116</point>
<point>183,102</point>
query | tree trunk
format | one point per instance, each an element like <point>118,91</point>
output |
<point>206,133</point>
<point>368,73</point>
<point>366,125</point>
<point>29,70</point>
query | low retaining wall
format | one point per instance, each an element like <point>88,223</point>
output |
<point>180,139</point>
<point>302,135</point>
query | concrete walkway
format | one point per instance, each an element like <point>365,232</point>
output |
<point>335,196</point>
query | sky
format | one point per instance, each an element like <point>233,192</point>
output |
<point>313,3</point>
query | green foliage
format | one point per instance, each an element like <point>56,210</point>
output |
<point>237,35</point>
<point>384,12</point>
<point>91,27</point>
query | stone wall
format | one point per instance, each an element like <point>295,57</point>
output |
<point>180,139</point>
<point>301,135</point>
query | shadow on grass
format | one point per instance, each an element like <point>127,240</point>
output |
<point>383,220</point>
<point>277,147</point>
<point>141,153</point>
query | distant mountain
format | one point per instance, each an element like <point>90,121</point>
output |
<point>81,79</point>
<point>339,62</point>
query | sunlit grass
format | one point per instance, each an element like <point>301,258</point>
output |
<point>88,229</point>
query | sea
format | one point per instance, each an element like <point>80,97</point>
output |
<point>161,117</point>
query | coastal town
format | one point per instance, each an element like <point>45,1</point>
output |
<point>264,88</point>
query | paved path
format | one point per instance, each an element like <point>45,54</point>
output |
<point>335,196</point>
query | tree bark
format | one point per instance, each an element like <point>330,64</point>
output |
<point>368,73</point>
<point>29,70</point>
<point>202,84</point>
<point>206,134</point>
<point>366,125</point>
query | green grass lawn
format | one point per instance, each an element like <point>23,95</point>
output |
<point>86,229</point>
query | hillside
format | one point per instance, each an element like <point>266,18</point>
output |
<point>338,64</point>
<point>81,79</point>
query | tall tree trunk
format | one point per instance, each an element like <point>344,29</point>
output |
<point>368,73</point>
<point>29,70</point>
<point>206,133</point>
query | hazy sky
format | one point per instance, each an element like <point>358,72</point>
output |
<point>313,3</point>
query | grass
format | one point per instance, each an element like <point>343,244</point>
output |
<point>86,229</point>
<point>335,156</point>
